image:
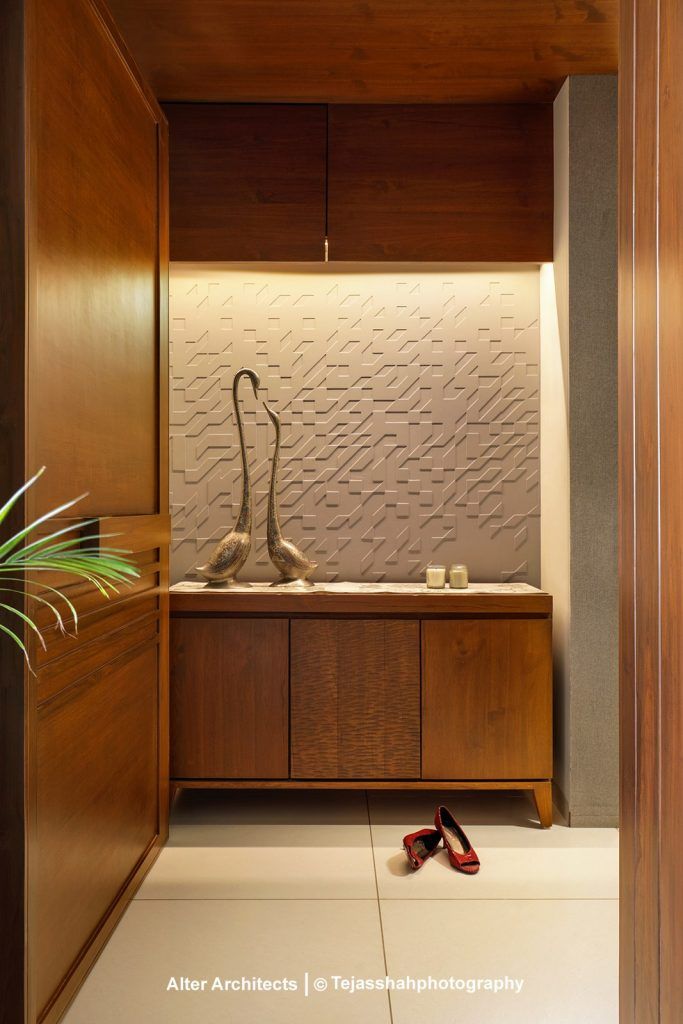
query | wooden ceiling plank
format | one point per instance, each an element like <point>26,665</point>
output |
<point>377,51</point>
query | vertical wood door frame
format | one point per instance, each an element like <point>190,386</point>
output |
<point>12,435</point>
<point>651,509</point>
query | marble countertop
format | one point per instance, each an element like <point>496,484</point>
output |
<point>362,589</point>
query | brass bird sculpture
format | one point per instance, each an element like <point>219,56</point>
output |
<point>292,564</point>
<point>232,552</point>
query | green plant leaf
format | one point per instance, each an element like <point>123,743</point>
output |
<point>17,641</point>
<point>9,505</point>
<point>29,622</point>
<point>74,545</point>
<point>16,540</point>
<point>98,562</point>
<point>68,550</point>
<point>77,525</point>
<point>99,579</point>
<point>43,587</point>
<point>41,600</point>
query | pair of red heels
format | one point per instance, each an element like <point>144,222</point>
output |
<point>422,845</point>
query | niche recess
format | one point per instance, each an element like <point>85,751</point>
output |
<point>409,399</point>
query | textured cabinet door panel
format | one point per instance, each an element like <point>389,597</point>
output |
<point>355,699</point>
<point>229,690</point>
<point>486,699</point>
<point>96,813</point>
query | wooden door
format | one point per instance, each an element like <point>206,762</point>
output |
<point>355,699</point>
<point>229,698</point>
<point>84,799</point>
<point>486,699</point>
<point>247,181</point>
<point>651,510</point>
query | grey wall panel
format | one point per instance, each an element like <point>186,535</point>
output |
<point>410,409</point>
<point>586,648</point>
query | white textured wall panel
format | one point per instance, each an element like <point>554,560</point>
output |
<point>409,404</point>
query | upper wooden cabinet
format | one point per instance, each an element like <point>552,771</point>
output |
<point>247,181</point>
<point>413,183</point>
<point>451,183</point>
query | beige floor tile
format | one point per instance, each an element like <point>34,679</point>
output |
<point>157,940</point>
<point>206,817</point>
<point>565,951</point>
<point>283,870</point>
<point>519,861</point>
<point>265,846</point>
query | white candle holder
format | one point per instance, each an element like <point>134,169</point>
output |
<point>436,577</point>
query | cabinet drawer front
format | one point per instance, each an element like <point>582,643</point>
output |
<point>355,699</point>
<point>229,697</point>
<point>486,699</point>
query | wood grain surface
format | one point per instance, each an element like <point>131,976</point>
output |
<point>13,691</point>
<point>651,535</point>
<point>247,181</point>
<point>447,603</point>
<point>93,232</point>
<point>454,183</point>
<point>670,228</point>
<point>229,698</point>
<point>378,51</point>
<point>486,699</point>
<point>96,765</point>
<point>90,804</point>
<point>355,699</point>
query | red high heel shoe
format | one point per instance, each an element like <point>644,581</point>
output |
<point>460,851</point>
<point>420,846</point>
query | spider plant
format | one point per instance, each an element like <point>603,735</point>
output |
<point>64,551</point>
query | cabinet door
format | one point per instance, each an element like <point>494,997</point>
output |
<point>355,699</point>
<point>440,182</point>
<point>229,698</point>
<point>486,699</point>
<point>247,181</point>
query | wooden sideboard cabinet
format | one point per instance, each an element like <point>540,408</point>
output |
<point>373,686</point>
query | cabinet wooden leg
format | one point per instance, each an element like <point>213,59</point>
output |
<point>543,795</point>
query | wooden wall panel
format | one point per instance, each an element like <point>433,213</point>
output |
<point>96,783</point>
<point>82,801</point>
<point>94,268</point>
<point>230,698</point>
<point>455,183</point>
<point>378,51</point>
<point>670,228</point>
<point>355,699</point>
<point>247,181</point>
<point>651,460</point>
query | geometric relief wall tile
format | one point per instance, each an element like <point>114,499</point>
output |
<point>410,413</point>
